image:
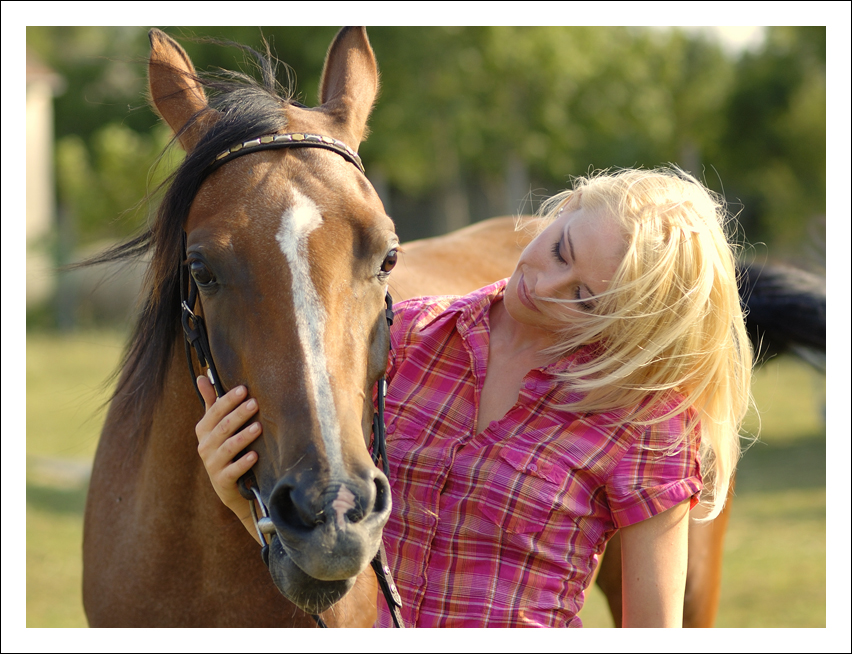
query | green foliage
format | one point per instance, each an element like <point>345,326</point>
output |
<point>773,141</point>
<point>106,184</point>
<point>461,108</point>
<point>103,74</point>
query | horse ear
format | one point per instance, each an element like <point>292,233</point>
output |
<point>175,90</point>
<point>350,82</point>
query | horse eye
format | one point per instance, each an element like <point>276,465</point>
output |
<point>389,262</point>
<point>201,273</point>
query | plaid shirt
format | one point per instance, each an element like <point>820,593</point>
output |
<point>504,528</point>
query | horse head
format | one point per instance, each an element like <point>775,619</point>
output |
<point>290,249</point>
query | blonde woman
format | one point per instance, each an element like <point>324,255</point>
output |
<point>599,388</point>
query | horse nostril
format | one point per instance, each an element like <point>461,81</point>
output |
<point>285,512</point>
<point>295,511</point>
<point>382,501</point>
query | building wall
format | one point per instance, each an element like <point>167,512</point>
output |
<point>40,192</point>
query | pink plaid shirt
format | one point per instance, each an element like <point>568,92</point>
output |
<point>504,528</point>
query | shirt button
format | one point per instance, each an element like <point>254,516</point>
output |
<point>532,467</point>
<point>530,384</point>
<point>391,429</point>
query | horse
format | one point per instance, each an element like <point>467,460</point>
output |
<point>290,249</point>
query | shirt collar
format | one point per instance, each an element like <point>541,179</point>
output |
<point>471,312</point>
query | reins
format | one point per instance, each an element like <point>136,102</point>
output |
<point>195,337</point>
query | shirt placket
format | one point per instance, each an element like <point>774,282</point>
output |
<point>474,337</point>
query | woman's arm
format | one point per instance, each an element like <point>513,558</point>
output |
<point>218,445</point>
<point>653,560</point>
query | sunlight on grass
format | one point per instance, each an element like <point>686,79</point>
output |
<point>790,398</point>
<point>65,391</point>
<point>65,394</point>
<point>54,558</point>
<point>774,567</point>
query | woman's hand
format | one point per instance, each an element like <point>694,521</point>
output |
<point>218,445</point>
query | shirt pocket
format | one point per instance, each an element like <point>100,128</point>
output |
<point>522,491</point>
<point>405,437</point>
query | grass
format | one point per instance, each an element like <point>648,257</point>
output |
<point>65,394</point>
<point>774,572</point>
<point>54,557</point>
<point>65,391</point>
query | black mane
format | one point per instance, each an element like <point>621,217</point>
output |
<point>246,109</point>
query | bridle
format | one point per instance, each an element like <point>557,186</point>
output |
<point>195,337</point>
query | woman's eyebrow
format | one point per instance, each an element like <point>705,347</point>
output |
<point>570,242</point>
<point>573,258</point>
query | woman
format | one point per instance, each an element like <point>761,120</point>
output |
<point>531,419</point>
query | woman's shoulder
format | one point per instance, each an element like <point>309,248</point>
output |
<point>417,313</point>
<point>656,423</point>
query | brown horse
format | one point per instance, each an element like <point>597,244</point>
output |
<point>290,249</point>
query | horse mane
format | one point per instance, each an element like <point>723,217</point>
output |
<point>246,109</point>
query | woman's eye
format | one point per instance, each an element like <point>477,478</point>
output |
<point>556,253</point>
<point>585,306</point>
<point>201,273</point>
<point>390,261</point>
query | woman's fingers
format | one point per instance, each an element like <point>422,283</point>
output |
<point>207,391</point>
<point>239,441</point>
<point>236,469</point>
<point>225,416</point>
<point>219,441</point>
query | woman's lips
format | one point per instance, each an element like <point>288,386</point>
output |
<point>524,297</point>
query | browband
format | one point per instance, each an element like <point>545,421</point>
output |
<point>291,140</point>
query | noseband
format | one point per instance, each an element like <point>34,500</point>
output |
<point>195,336</point>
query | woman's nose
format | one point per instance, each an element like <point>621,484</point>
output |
<point>547,286</point>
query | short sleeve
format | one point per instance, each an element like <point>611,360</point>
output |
<point>656,473</point>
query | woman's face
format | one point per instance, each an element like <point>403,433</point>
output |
<point>574,258</point>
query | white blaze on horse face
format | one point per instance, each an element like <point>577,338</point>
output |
<point>297,223</point>
<point>344,501</point>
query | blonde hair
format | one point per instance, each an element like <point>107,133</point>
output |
<point>670,325</point>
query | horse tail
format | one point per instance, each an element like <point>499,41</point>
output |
<point>785,311</point>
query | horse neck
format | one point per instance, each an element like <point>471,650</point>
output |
<point>170,455</point>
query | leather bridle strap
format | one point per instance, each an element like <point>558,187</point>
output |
<point>195,336</point>
<point>194,330</point>
<point>292,140</point>
<point>380,561</point>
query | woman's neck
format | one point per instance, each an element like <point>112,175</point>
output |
<point>517,340</point>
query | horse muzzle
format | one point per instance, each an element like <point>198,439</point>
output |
<point>324,540</point>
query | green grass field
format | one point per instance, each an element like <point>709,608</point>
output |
<point>774,572</point>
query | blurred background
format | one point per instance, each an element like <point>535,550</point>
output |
<point>470,123</point>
